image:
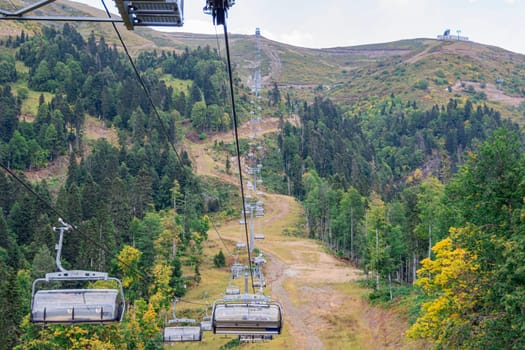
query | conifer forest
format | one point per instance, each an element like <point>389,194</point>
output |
<point>426,200</point>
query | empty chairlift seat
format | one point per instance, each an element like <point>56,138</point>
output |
<point>206,324</point>
<point>76,306</point>
<point>68,306</point>
<point>237,270</point>
<point>259,283</point>
<point>232,290</point>
<point>177,334</point>
<point>182,334</point>
<point>247,315</point>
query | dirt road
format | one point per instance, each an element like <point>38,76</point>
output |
<point>323,307</point>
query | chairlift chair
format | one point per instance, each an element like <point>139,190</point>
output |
<point>237,270</point>
<point>69,306</point>
<point>259,283</point>
<point>232,290</point>
<point>181,334</point>
<point>206,321</point>
<point>177,334</point>
<point>247,314</point>
<point>259,260</point>
<point>251,338</point>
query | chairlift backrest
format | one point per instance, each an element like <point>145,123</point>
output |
<point>206,324</point>
<point>76,306</point>
<point>237,270</point>
<point>232,290</point>
<point>206,321</point>
<point>247,315</point>
<point>67,306</point>
<point>258,260</point>
<point>259,283</point>
<point>181,334</point>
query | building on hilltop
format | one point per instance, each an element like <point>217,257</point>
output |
<point>447,36</point>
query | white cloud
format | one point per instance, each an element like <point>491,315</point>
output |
<point>343,22</point>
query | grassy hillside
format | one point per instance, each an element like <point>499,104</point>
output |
<point>440,71</point>
<point>424,70</point>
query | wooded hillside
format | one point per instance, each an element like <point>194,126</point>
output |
<point>425,195</point>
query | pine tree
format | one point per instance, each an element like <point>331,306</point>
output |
<point>219,260</point>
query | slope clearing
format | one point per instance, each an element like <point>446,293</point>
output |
<point>323,305</point>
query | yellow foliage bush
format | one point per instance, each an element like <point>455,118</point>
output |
<point>452,281</point>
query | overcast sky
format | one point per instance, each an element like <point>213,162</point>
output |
<point>329,23</point>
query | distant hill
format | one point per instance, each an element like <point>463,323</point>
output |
<point>424,70</point>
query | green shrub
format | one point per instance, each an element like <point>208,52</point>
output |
<point>219,260</point>
<point>421,84</point>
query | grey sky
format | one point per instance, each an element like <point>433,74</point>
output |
<point>332,23</point>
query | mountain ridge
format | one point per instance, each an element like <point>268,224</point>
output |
<point>425,70</point>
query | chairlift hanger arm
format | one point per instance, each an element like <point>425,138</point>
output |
<point>27,8</point>
<point>218,9</point>
<point>21,15</point>
<point>61,19</point>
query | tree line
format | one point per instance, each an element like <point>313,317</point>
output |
<point>91,77</point>
<point>385,188</point>
<point>139,211</point>
<point>431,198</point>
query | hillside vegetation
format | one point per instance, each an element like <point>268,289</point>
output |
<point>406,157</point>
<point>426,70</point>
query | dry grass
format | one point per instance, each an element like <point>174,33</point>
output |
<point>178,85</point>
<point>323,307</point>
<point>30,104</point>
<point>95,129</point>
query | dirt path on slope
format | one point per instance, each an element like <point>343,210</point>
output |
<point>322,308</point>
<point>492,92</point>
<point>275,63</point>
<point>94,129</point>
